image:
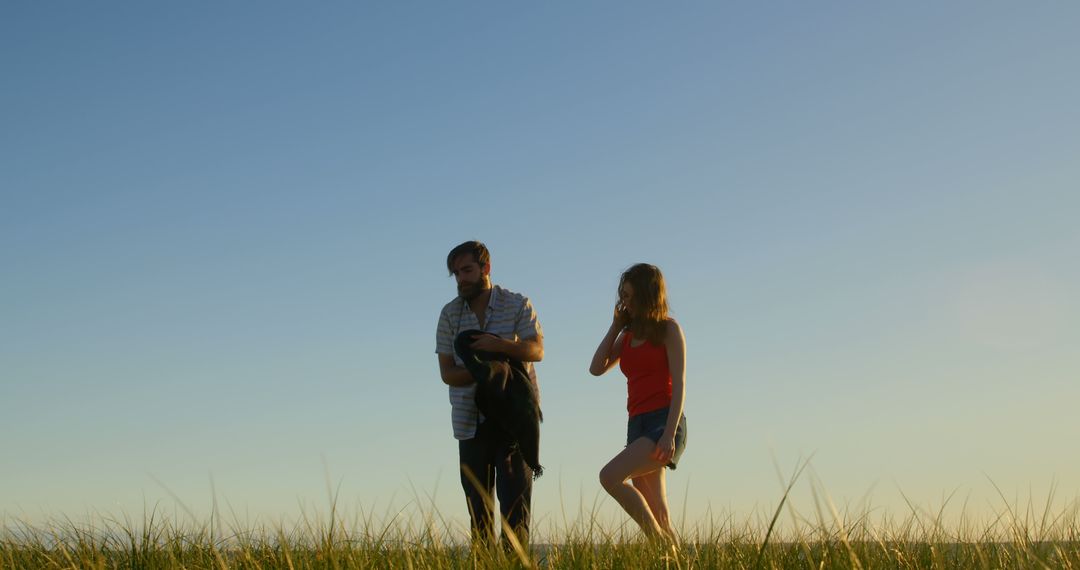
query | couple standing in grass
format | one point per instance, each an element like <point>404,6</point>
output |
<point>642,339</point>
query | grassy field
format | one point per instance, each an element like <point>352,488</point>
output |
<point>163,545</point>
<point>1036,535</point>
<point>1028,539</point>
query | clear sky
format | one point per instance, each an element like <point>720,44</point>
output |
<point>223,229</point>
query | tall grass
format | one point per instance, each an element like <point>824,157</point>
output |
<point>1033,536</point>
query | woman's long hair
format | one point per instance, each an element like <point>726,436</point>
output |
<point>648,308</point>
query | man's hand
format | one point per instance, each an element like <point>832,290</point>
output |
<point>488,343</point>
<point>451,373</point>
<point>525,350</point>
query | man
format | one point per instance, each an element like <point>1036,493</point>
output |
<point>489,461</point>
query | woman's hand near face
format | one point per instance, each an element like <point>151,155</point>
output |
<point>621,318</point>
<point>607,353</point>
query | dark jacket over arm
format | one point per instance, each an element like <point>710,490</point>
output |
<point>505,395</point>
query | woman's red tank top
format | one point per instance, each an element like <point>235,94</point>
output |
<point>648,377</point>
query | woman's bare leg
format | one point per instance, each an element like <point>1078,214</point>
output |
<point>634,460</point>
<point>653,488</point>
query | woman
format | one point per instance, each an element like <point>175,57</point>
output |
<point>650,350</point>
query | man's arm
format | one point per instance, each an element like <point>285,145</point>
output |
<point>452,374</point>
<point>530,347</point>
<point>449,371</point>
<point>525,350</point>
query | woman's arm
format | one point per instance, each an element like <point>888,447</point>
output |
<point>607,354</point>
<point>675,344</point>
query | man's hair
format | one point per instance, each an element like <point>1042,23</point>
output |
<point>477,250</point>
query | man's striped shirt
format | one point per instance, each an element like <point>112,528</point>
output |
<point>509,315</point>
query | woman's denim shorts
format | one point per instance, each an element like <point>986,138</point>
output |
<point>651,425</point>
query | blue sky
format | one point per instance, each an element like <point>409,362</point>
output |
<point>223,229</point>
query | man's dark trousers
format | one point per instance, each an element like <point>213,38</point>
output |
<point>498,467</point>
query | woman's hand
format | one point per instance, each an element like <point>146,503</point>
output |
<point>665,448</point>
<point>621,318</point>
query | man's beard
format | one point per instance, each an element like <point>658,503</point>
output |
<point>470,291</point>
